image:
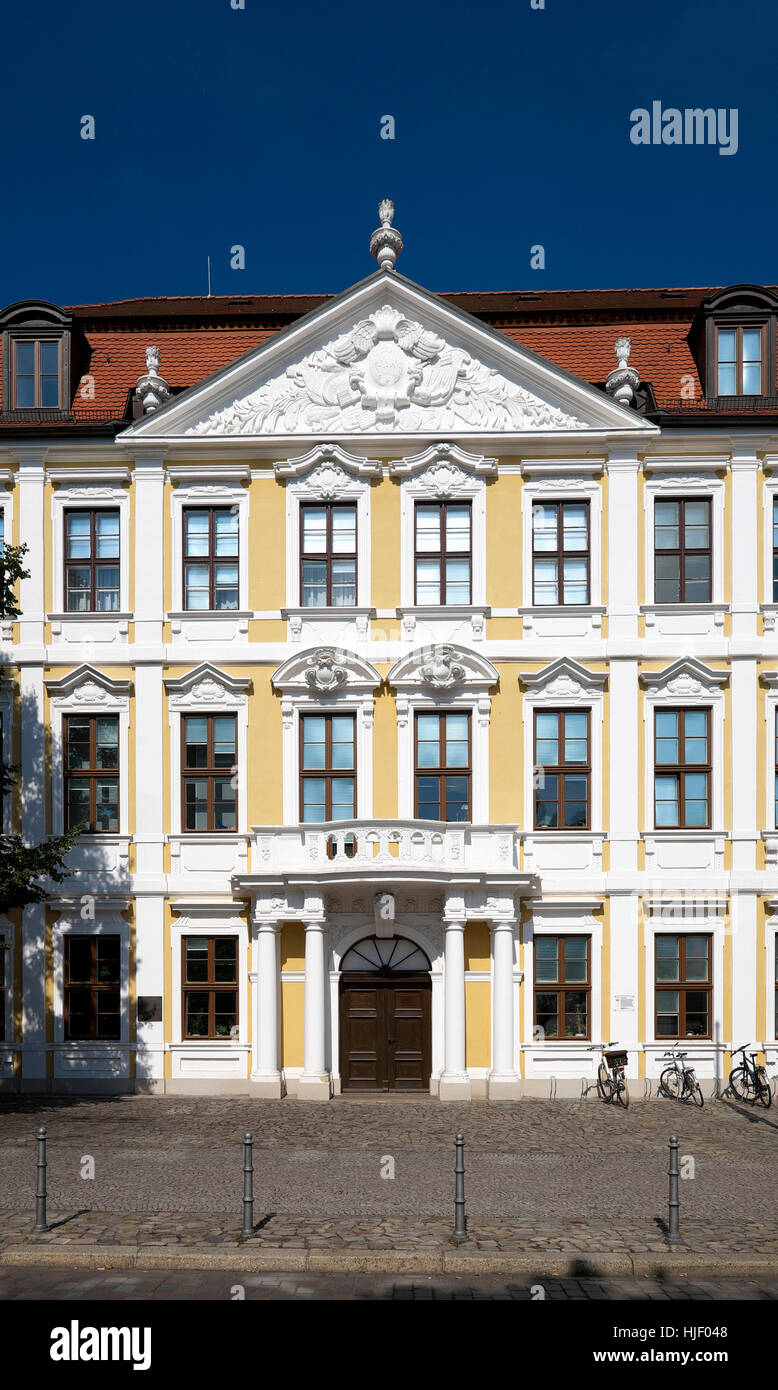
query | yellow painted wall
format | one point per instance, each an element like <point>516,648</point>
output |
<point>477,996</point>
<point>385,536</point>
<point>292,995</point>
<point>503,543</point>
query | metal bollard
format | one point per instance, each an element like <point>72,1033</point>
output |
<point>460,1220</point>
<point>41,1224</point>
<point>673,1204</point>
<point>248,1186</point>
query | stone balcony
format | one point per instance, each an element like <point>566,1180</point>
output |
<point>386,850</point>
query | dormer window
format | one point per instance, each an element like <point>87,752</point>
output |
<point>733,339</point>
<point>740,361</point>
<point>42,352</point>
<point>36,374</point>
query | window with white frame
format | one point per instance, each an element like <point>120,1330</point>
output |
<point>560,553</point>
<point>328,551</point>
<point>684,726</point>
<point>91,976</point>
<point>209,951</point>
<point>563,714</point>
<point>90,543</point>
<point>90,718</point>
<point>208,712</point>
<point>684,539</point>
<point>209,551</point>
<point>443,523</point>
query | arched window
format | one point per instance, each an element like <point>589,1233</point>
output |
<point>385,955</point>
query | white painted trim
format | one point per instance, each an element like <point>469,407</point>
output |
<point>667,486</point>
<point>768,498</point>
<point>223,697</point>
<point>297,703</point>
<point>216,492</point>
<point>704,924</point>
<point>563,918</point>
<point>439,480</point>
<point>560,487</point>
<point>209,919</point>
<point>326,480</point>
<point>567,688</point>
<point>99,496</point>
<point>100,700</point>
<point>446,702</point>
<point>106,922</point>
<point>686,690</point>
<point>771,951</point>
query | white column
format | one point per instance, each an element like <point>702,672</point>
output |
<point>746,821</point>
<point>504,1081</point>
<point>623,524</point>
<point>31,479</point>
<point>314,1084</point>
<point>149,774</point>
<point>624,973</point>
<point>33,787</point>
<point>454,1080</point>
<point>742,925</point>
<point>265,1080</point>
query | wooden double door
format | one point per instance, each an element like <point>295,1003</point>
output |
<point>385,1032</point>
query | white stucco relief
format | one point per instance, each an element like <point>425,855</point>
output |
<point>387,372</point>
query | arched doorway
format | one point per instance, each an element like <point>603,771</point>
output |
<point>385,1031</point>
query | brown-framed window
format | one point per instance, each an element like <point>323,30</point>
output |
<point>562,770</point>
<point>443,558</point>
<point>2,798</point>
<point>560,553</point>
<point>208,765</point>
<point>775,549</point>
<point>36,374</point>
<point>444,769</point>
<point>682,769</point>
<point>92,987</point>
<point>328,555</point>
<point>92,772</point>
<point>210,558</point>
<point>682,550</point>
<point>562,986</point>
<point>92,560</point>
<point>775,972</point>
<point>683,985</point>
<point>775,750</point>
<point>209,991</point>
<point>328,767</point>
<point>740,361</point>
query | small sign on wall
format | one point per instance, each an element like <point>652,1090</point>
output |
<point>150,1008</point>
<point>625,1003</point>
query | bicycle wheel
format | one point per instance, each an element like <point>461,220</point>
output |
<point>765,1092</point>
<point>604,1083</point>
<point>696,1094</point>
<point>670,1082</point>
<point>622,1094</point>
<point>740,1084</point>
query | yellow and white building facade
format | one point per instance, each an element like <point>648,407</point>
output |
<point>405,765</point>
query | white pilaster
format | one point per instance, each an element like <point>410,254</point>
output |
<point>454,1080</point>
<point>745,553</point>
<point>622,543</point>
<point>149,552</point>
<point>314,1083</point>
<point>149,770</point>
<point>150,982</point>
<point>266,1077</point>
<point>623,986</point>
<point>504,1081</point>
<point>623,826</point>
<point>31,479</point>
<point>746,823</point>
<point>742,925</point>
<point>33,786</point>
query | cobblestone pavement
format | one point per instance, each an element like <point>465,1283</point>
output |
<point>545,1162</point>
<point>113,1285</point>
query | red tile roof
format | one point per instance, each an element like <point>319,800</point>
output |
<point>576,329</point>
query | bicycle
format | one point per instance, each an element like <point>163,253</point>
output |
<point>678,1081</point>
<point>611,1078</point>
<point>749,1081</point>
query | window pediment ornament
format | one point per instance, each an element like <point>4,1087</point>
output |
<point>328,471</point>
<point>88,687</point>
<point>387,372</point>
<point>684,679</point>
<point>444,469</point>
<point>565,679</point>
<point>443,667</point>
<point>207,686</point>
<point>325,671</point>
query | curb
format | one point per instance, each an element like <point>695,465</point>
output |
<point>568,1263</point>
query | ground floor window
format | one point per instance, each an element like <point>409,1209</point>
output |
<point>92,988</point>
<point>683,985</point>
<point>210,988</point>
<point>4,972</point>
<point>562,986</point>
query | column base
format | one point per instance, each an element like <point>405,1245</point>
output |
<point>504,1087</point>
<point>313,1088</point>
<point>267,1087</point>
<point>455,1087</point>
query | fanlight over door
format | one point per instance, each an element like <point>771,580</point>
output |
<point>385,1032</point>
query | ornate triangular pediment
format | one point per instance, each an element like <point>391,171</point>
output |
<point>87,686</point>
<point>565,678</point>
<point>686,677</point>
<point>206,687</point>
<point>387,359</point>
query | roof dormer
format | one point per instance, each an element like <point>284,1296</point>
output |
<point>733,338</point>
<point>38,342</point>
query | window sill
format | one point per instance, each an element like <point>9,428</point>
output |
<point>683,612</point>
<point>227,617</point>
<point>297,618</point>
<point>412,614</point>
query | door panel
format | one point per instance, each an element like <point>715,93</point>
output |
<point>385,1034</point>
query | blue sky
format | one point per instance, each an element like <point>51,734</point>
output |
<point>260,127</point>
